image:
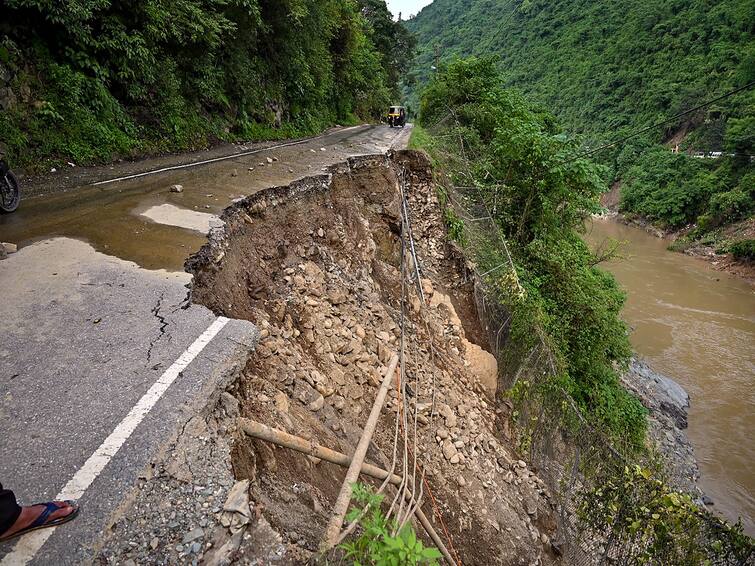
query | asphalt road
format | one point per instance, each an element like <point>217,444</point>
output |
<point>102,359</point>
<point>141,220</point>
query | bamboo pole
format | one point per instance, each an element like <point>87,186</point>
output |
<point>282,438</point>
<point>341,506</point>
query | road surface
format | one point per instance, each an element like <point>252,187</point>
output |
<point>102,357</point>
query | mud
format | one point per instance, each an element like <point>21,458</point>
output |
<point>317,266</point>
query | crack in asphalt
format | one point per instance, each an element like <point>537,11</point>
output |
<point>163,325</point>
<point>184,304</point>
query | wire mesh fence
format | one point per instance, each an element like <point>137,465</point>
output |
<point>598,489</point>
<point>570,456</point>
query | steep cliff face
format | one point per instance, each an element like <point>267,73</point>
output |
<point>318,267</point>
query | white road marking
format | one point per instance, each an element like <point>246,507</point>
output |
<point>206,161</point>
<point>28,546</point>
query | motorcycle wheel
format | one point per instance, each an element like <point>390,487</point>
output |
<point>10,193</point>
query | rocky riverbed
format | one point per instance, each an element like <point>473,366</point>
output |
<point>667,403</point>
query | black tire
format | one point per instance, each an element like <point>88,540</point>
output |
<point>10,193</point>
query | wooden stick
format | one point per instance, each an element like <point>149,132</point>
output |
<point>341,506</point>
<point>282,438</point>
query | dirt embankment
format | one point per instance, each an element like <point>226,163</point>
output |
<point>317,266</point>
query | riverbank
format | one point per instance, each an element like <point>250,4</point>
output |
<point>708,248</point>
<point>667,403</point>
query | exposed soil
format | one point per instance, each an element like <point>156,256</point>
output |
<point>611,199</point>
<point>317,266</point>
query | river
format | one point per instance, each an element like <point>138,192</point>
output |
<point>697,326</point>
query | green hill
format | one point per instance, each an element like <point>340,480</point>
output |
<point>607,69</point>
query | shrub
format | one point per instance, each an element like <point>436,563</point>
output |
<point>744,249</point>
<point>514,161</point>
<point>381,542</point>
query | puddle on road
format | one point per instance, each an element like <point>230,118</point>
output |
<point>140,220</point>
<point>182,217</point>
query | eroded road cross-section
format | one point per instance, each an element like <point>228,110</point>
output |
<point>104,360</point>
<point>317,266</point>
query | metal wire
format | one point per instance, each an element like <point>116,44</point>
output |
<point>561,454</point>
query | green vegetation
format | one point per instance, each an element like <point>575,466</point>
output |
<point>744,249</point>
<point>609,69</point>
<point>376,544</point>
<point>90,80</point>
<point>652,524</point>
<point>419,138</point>
<point>515,162</point>
<point>506,162</point>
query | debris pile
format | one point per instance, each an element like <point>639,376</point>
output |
<point>318,267</point>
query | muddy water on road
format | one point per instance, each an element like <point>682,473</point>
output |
<point>697,326</point>
<point>141,220</point>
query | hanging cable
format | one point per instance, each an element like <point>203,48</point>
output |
<point>666,121</point>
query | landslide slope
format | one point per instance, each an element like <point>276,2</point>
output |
<point>317,266</point>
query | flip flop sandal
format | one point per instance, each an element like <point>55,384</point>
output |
<point>41,521</point>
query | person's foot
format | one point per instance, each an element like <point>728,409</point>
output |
<point>32,513</point>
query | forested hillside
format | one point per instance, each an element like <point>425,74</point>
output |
<point>89,80</point>
<point>608,69</point>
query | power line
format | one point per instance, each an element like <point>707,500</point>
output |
<point>667,120</point>
<point>502,25</point>
<point>511,15</point>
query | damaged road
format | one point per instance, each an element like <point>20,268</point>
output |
<point>104,362</point>
<point>316,266</point>
<point>84,342</point>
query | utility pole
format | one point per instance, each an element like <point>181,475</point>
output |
<point>437,56</point>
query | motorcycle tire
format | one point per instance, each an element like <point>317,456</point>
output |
<point>10,194</point>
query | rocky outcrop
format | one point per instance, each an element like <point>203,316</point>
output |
<point>317,266</point>
<point>667,403</point>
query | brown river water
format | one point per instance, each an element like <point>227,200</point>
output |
<point>697,326</point>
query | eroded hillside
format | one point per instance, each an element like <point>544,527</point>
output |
<point>317,266</point>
